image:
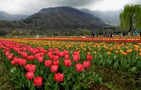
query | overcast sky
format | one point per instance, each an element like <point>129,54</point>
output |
<point>32,6</point>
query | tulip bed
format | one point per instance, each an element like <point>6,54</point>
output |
<point>124,57</point>
<point>48,69</point>
<point>66,65</point>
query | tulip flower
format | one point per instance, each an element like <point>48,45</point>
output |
<point>24,54</point>
<point>30,57</point>
<point>89,57</point>
<point>40,59</point>
<point>79,67</point>
<point>48,63</point>
<point>67,63</point>
<point>10,56</point>
<point>38,81</point>
<point>61,54</point>
<point>86,64</point>
<point>56,62</point>
<point>59,77</point>
<point>13,62</point>
<point>76,53</point>
<point>54,68</point>
<point>21,62</point>
<point>18,61</point>
<point>30,68</point>
<point>66,52</point>
<point>29,75</point>
<point>76,58</point>
<point>66,56</point>
<point>55,58</point>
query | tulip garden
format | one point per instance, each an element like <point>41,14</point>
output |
<point>70,65</point>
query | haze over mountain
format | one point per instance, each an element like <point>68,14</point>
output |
<point>109,17</point>
<point>10,17</point>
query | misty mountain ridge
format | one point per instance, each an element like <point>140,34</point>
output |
<point>10,17</point>
<point>63,17</point>
<point>109,17</point>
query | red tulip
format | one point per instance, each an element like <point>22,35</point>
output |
<point>13,62</point>
<point>79,67</point>
<point>42,49</point>
<point>30,67</point>
<point>40,59</point>
<point>6,52</point>
<point>76,58</point>
<point>18,61</point>
<point>56,62</point>
<point>24,54</point>
<point>55,57</point>
<point>54,68</point>
<point>37,55</point>
<point>57,52</point>
<point>67,63</point>
<point>21,62</point>
<point>10,56</point>
<point>30,57</point>
<point>76,53</point>
<point>66,52</point>
<point>61,54</point>
<point>59,77</point>
<point>67,56</point>
<point>49,54</point>
<point>29,75</point>
<point>38,81</point>
<point>34,51</point>
<point>89,57</point>
<point>50,49</point>
<point>86,64</point>
<point>48,63</point>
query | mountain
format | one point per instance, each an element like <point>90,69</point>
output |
<point>9,17</point>
<point>109,17</point>
<point>63,17</point>
<point>54,21</point>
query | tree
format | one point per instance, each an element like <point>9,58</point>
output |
<point>138,18</point>
<point>130,18</point>
<point>85,32</point>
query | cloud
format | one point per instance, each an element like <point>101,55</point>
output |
<point>32,6</point>
<point>112,5</point>
<point>75,3</point>
<point>137,1</point>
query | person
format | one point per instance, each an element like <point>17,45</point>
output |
<point>111,35</point>
<point>93,34</point>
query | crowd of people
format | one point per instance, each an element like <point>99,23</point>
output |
<point>111,34</point>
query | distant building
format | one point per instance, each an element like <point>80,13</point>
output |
<point>109,29</point>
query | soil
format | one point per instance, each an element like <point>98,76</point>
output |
<point>117,80</point>
<point>99,87</point>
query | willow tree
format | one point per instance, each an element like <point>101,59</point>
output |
<point>138,18</point>
<point>130,18</point>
